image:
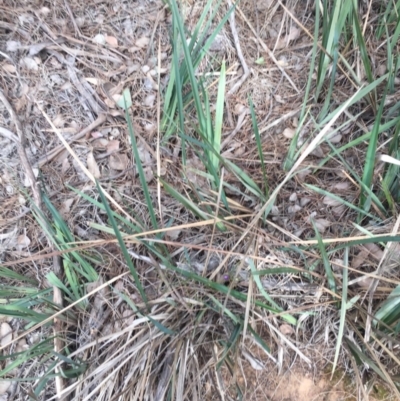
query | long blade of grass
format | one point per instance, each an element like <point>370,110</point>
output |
<point>343,310</point>
<point>328,269</point>
<point>122,245</point>
<point>219,116</point>
<point>369,165</point>
<point>259,147</point>
<point>139,167</point>
<point>329,28</point>
<point>339,199</point>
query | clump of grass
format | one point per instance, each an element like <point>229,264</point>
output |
<point>162,325</point>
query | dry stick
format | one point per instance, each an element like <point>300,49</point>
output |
<point>269,52</point>
<point>57,267</point>
<point>246,71</point>
<point>156,23</point>
<point>71,15</point>
<point>96,108</point>
<point>280,120</point>
<point>240,122</point>
<point>53,153</point>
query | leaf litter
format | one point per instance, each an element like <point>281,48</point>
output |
<point>127,59</point>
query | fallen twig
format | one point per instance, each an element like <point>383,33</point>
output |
<point>246,71</point>
<point>53,153</point>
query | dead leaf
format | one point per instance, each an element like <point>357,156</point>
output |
<point>303,174</point>
<point>110,103</point>
<point>21,345</point>
<point>9,68</point>
<point>27,181</point>
<point>29,63</point>
<point>100,39</point>
<point>148,174</point>
<point>112,41</point>
<point>293,35</point>
<point>288,133</point>
<point>322,224</point>
<point>59,121</point>
<point>239,109</point>
<point>5,334</point>
<point>337,265</point>
<point>149,100</point>
<point>4,386</point>
<point>144,154</point>
<point>112,146</point>
<point>22,242</point>
<point>286,329</point>
<point>13,46</point>
<point>100,143</point>
<point>339,210</point>
<point>145,69</point>
<point>294,209</point>
<point>304,201</point>
<point>93,166</point>
<point>359,259</point>
<point>336,138</point>
<point>374,250</point>
<point>318,152</point>
<point>342,186</point>
<point>119,161</point>
<point>66,85</point>
<point>365,282</point>
<point>142,42</point>
<point>173,234</point>
<point>44,10</point>
<point>93,81</point>
<point>66,207</point>
<point>115,132</point>
<point>329,201</point>
<point>96,134</point>
<point>65,166</point>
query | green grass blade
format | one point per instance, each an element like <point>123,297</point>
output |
<point>139,167</point>
<point>343,310</point>
<point>330,27</point>
<point>219,116</point>
<point>370,159</point>
<point>339,199</point>
<point>122,245</point>
<point>259,147</point>
<point>328,269</point>
<point>9,274</point>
